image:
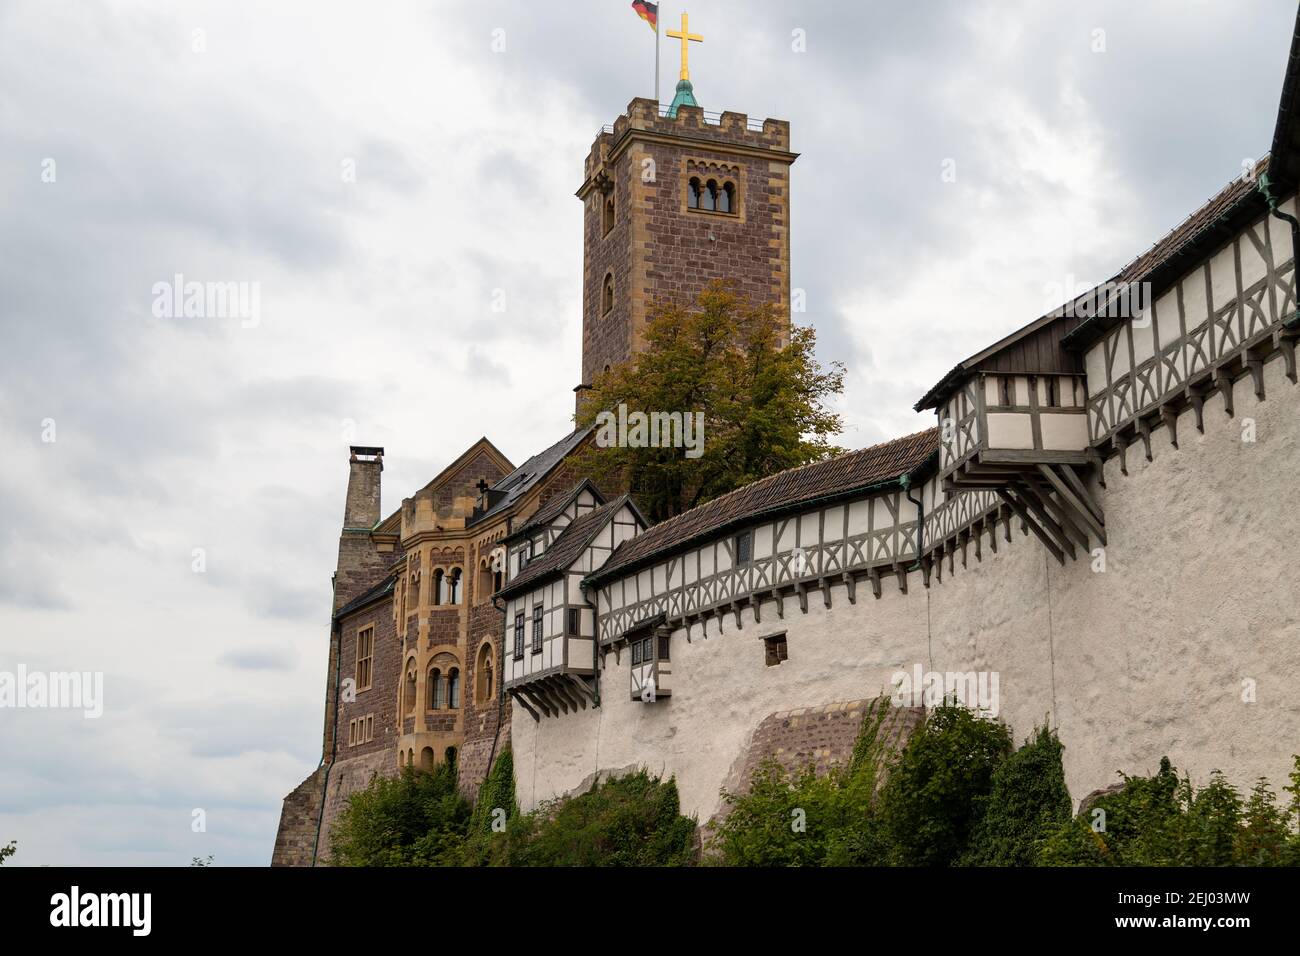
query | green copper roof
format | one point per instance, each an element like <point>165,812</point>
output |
<point>685,97</point>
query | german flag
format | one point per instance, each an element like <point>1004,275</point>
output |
<point>649,12</point>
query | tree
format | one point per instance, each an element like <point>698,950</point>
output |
<point>417,818</point>
<point>762,405</point>
<point>8,850</point>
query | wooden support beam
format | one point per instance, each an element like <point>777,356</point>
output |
<point>1042,535</point>
<point>1223,382</point>
<point>780,603</point>
<point>874,575</point>
<point>1145,431</point>
<point>538,701</point>
<point>1005,513</point>
<point>1170,418</point>
<point>519,699</point>
<point>963,539</point>
<point>938,564</point>
<point>1287,348</point>
<point>1255,362</point>
<point>757,604</point>
<point>991,522</point>
<point>1122,444</point>
<point>926,564</point>
<point>900,573</point>
<point>826,592</point>
<point>1197,400</point>
<point>735,608</point>
<point>1081,511</point>
<point>582,687</point>
<point>560,688</point>
<point>1051,520</point>
<point>802,590</point>
<point>851,584</point>
<point>979,534</point>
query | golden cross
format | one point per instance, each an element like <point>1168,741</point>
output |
<point>685,36</point>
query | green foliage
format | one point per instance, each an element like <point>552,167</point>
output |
<point>937,791</point>
<point>764,405</point>
<point>1164,821</point>
<point>417,818</point>
<point>482,848</point>
<point>8,850</point>
<point>801,819</point>
<point>632,820</point>
<point>201,861</point>
<point>1027,802</point>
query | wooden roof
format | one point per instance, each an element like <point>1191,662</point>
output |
<point>838,477</point>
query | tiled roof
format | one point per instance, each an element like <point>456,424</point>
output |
<point>836,477</point>
<point>532,471</point>
<point>565,549</point>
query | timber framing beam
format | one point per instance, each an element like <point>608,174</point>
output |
<point>1048,542</point>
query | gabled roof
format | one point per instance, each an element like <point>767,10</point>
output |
<point>376,593</point>
<point>836,478</point>
<point>516,484</point>
<point>394,521</point>
<point>555,507</point>
<point>1284,167</point>
<point>568,547</point>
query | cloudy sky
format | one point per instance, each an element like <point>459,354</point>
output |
<point>172,487</point>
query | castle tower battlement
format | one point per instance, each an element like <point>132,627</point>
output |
<point>672,203</point>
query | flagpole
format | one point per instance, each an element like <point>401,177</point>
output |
<point>656,61</point>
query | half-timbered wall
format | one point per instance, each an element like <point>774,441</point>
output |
<point>536,542</point>
<point>877,531</point>
<point>559,649</point>
<point>1231,302</point>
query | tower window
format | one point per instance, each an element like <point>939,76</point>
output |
<point>608,217</point>
<point>709,201</point>
<point>693,193</point>
<point>439,587</point>
<point>453,585</point>
<point>727,198</point>
<point>483,674</point>
<point>607,294</point>
<point>453,689</point>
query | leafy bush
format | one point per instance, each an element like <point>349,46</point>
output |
<point>417,818</point>
<point>1028,801</point>
<point>482,848</point>
<point>937,790</point>
<point>801,819</point>
<point>633,820</point>
<point>1164,821</point>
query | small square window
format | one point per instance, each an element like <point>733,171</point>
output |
<point>775,650</point>
<point>744,548</point>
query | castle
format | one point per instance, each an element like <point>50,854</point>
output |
<point>1104,517</point>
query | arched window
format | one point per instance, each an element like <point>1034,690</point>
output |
<point>410,688</point>
<point>709,200</point>
<point>453,689</point>
<point>607,294</point>
<point>497,581</point>
<point>608,217</point>
<point>693,193</point>
<point>439,587</point>
<point>483,667</point>
<point>436,698</point>
<point>727,198</point>
<point>426,758</point>
<point>453,586</point>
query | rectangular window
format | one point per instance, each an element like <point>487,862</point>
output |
<point>636,653</point>
<point>575,620</point>
<point>775,650</point>
<point>744,548</point>
<point>537,628</point>
<point>663,648</point>
<point>365,657</point>
<point>519,635</point>
<point>352,733</point>
<point>370,727</point>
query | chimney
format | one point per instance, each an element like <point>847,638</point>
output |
<point>365,465</point>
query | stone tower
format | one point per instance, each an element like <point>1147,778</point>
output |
<point>671,203</point>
